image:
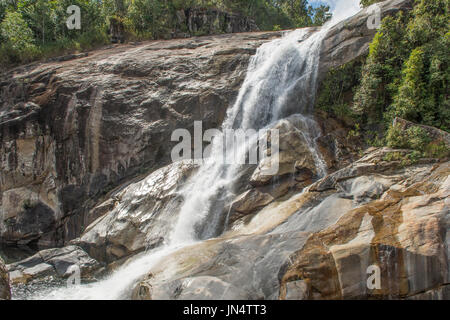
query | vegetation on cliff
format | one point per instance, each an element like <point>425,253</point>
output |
<point>405,75</point>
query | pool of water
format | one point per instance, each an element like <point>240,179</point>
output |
<point>11,254</point>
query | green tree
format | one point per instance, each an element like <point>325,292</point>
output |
<point>382,70</point>
<point>16,32</point>
<point>409,102</point>
<point>366,3</point>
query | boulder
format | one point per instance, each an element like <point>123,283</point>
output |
<point>297,151</point>
<point>141,216</point>
<point>400,233</point>
<point>54,264</point>
<point>436,135</point>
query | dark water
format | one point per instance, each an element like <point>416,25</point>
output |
<point>11,254</point>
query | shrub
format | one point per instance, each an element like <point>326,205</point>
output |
<point>437,150</point>
<point>415,138</point>
<point>16,32</point>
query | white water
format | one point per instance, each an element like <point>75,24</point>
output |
<point>281,80</point>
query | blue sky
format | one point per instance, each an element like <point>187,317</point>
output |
<point>316,3</point>
<point>331,3</point>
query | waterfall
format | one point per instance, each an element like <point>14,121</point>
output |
<point>281,81</point>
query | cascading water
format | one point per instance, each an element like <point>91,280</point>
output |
<point>281,81</point>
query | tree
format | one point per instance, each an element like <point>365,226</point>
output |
<point>410,99</point>
<point>16,32</point>
<point>366,3</point>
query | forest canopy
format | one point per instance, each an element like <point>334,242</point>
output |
<point>34,29</point>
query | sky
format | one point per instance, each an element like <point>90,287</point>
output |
<point>332,3</point>
<point>340,8</point>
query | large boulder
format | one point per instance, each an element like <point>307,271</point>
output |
<point>139,217</point>
<point>54,264</point>
<point>403,233</point>
<point>435,135</point>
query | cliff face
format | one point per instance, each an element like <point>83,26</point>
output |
<point>350,39</point>
<point>71,131</point>
<point>195,21</point>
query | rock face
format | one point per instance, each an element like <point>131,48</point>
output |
<point>5,292</point>
<point>198,21</point>
<point>319,244</point>
<point>350,39</point>
<point>138,218</point>
<point>71,131</point>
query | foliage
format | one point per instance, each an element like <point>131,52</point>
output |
<point>16,32</point>
<point>142,19</point>
<point>366,3</point>
<point>405,74</point>
<point>407,71</point>
<point>336,90</point>
<point>405,159</point>
<point>417,139</point>
<point>437,150</point>
<point>381,71</point>
<point>18,39</point>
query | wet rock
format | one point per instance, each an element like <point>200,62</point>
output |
<point>54,264</point>
<point>319,244</point>
<point>296,151</point>
<point>250,201</point>
<point>5,292</point>
<point>141,217</point>
<point>198,288</point>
